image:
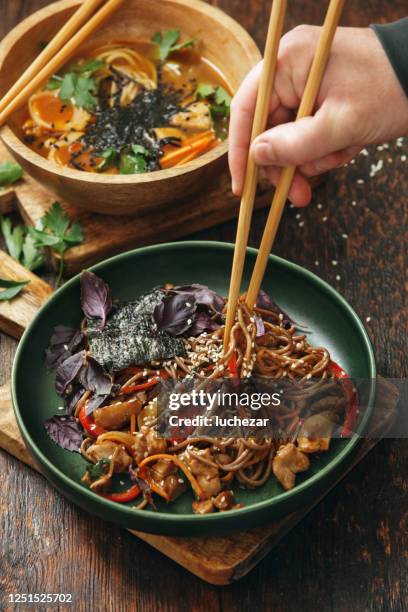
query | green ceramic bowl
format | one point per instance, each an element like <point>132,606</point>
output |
<point>307,298</point>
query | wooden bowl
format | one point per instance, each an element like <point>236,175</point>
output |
<point>224,42</point>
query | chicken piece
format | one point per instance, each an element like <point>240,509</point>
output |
<point>116,416</point>
<point>105,450</point>
<point>203,507</point>
<point>288,461</point>
<point>148,442</point>
<point>207,476</point>
<point>224,501</point>
<point>165,474</point>
<point>195,118</point>
<point>316,432</point>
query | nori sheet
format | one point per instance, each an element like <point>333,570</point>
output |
<point>130,336</point>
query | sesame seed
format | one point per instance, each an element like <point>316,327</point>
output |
<point>364,152</point>
<point>316,263</point>
<point>345,236</point>
<point>338,277</point>
<point>354,203</point>
<point>334,262</point>
<point>389,160</point>
<point>301,223</point>
<point>320,206</point>
<point>368,319</point>
<point>324,219</point>
<point>188,304</point>
<point>360,181</point>
<point>403,158</point>
<point>298,216</point>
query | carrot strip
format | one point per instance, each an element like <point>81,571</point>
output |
<point>132,423</point>
<point>171,159</point>
<point>182,466</point>
<point>198,151</point>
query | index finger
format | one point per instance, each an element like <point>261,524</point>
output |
<point>242,115</point>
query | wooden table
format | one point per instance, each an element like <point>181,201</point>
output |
<point>351,552</point>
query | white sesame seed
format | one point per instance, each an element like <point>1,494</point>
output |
<point>320,206</point>
<point>338,277</point>
<point>380,148</point>
<point>316,263</point>
<point>298,216</point>
<point>389,160</point>
<point>301,223</point>
<point>334,262</point>
<point>188,304</point>
<point>368,319</point>
<point>360,181</point>
<point>354,203</point>
<point>364,152</point>
<point>345,236</point>
<point>353,161</point>
<point>324,219</point>
<point>386,146</point>
<point>403,158</point>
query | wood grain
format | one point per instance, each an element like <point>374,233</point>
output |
<point>220,560</point>
<point>17,313</point>
<point>350,553</point>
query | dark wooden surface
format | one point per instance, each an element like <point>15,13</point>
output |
<point>351,552</point>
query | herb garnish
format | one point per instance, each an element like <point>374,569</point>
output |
<point>133,160</point>
<point>168,42</point>
<point>57,231</point>
<point>20,245</point>
<point>78,84</point>
<point>98,469</point>
<point>220,100</point>
<point>11,288</point>
<point>10,173</point>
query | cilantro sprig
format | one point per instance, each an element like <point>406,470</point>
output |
<point>219,98</point>
<point>57,231</point>
<point>10,173</point>
<point>10,288</point>
<point>78,84</point>
<point>20,245</point>
<point>168,42</point>
<point>133,160</point>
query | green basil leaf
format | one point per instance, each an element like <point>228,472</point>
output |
<point>11,288</point>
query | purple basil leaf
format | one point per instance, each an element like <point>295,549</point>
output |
<point>203,296</point>
<point>96,300</point>
<point>65,431</point>
<point>266,302</point>
<point>175,313</point>
<point>202,323</point>
<point>67,371</point>
<point>143,486</point>
<point>93,377</point>
<point>260,327</point>
<point>73,398</point>
<point>95,402</point>
<point>64,342</point>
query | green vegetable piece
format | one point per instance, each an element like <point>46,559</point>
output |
<point>14,238</point>
<point>168,43</point>
<point>11,288</point>
<point>32,257</point>
<point>133,161</point>
<point>10,173</point>
<point>98,469</point>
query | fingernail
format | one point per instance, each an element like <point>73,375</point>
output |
<point>261,153</point>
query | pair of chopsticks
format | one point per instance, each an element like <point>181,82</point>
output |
<point>285,181</point>
<point>56,53</point>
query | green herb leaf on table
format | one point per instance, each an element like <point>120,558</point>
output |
<point>10,289</point>
<point>133,160</point>
<point>169,42</point>
<point>10,173</point>
<point>20,245</point>
<point>57,231</point>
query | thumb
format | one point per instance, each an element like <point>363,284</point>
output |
<point>299,142</point>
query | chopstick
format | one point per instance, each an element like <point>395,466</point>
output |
<point>251,174</point>
<point>306,108</point>
<point>59,40</point>
<point>61,57</point>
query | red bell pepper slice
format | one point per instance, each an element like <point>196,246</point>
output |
<point>232,365</point>
<point>352,400</point>
<point>88,423</point>
<point>124,496</point>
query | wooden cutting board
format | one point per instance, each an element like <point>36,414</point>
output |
<point>107,235</point>
<point>219,560</point>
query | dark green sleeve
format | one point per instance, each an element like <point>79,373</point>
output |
<point>394,39</point>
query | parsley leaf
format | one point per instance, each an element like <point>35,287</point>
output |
<point>20,245</point>
<point>10,173</point>
<point>80,89</point>
<point>133,161</point>
<point>88,67</point>
<point>169,42</point>
<point>57,231</point>
<point>219,98</point>
<point>11,288</point>
<point>55,82</point>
